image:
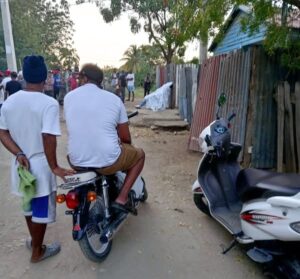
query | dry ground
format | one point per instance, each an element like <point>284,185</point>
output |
<point>169,238</point>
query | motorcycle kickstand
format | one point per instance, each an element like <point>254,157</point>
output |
<point>231,245</point>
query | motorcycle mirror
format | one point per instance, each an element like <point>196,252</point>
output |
<point>222,99</point>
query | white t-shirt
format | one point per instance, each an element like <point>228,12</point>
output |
<point>1,96</point>
<point>4,81</point>
<point>27,115</point>
<point>92,116</point>
<point>114,79</point>
<point>130,79</point>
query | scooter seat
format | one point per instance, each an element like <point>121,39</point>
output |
<point>254,183</point>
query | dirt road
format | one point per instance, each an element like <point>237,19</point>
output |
<point>169,238</point>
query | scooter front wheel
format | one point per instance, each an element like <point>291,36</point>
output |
<point>285,268</point>
<point>201,202</point>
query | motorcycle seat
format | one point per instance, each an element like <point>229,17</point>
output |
<point>254,183</point>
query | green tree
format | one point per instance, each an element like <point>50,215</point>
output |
<point>132,57</point>
<point>206,17</point>
<point>279,17</point>
<point>142,61</point>
<point>43,27</point>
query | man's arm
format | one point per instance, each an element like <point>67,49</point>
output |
<point>50,144</point>
<point>124,133</point>
<point>12,147</point>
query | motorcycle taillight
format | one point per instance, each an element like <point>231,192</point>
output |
<point>72,200</point>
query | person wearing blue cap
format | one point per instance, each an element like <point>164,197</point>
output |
<point>29,125</point>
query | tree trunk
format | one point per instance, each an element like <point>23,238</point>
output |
<point>202,51</point>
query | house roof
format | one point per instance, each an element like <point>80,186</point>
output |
<point>293,21</point>
<point>234,13</point>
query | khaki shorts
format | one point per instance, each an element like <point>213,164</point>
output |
<point>129,156</point>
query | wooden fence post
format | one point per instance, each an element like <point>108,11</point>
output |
<point>290,158</point>
<point>297,120</point>
<point>280,126</point>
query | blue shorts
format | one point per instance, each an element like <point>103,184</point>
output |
<point>130,88</point>
<point>43,209</point>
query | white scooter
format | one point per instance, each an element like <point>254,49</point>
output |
<point>261,209</point>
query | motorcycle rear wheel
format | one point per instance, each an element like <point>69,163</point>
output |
<point>90,243</point>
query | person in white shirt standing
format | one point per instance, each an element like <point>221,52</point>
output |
<point>29,125</point>
<point>130,85</point>
<point>6,79</point>
<point>98,131</point>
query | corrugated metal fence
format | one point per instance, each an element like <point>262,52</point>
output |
<point>185,84</point>
<point>206,99</point>
<point>233,80</point>
<point>186,90</point>
<point>249,79</point>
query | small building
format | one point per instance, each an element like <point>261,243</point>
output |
<point>233,37</point>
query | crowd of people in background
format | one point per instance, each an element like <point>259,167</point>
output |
<point>58,83</point>
<point>119,81</point>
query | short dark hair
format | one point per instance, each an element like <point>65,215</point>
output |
<point>13,75</point>
<point>92,72</point>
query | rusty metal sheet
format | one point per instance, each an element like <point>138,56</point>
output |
<point>206,99</point>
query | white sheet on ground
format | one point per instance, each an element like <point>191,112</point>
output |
<point>159,99</point>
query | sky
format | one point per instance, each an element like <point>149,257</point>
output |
<point>105,43</point>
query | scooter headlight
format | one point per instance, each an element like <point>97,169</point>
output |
<point>295,227</point>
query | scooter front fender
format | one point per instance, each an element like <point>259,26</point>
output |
<point>196,186</point>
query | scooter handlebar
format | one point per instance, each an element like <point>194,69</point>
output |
<point>233,115</point>
<point>132,114</point>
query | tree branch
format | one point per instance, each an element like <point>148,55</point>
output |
<point>155,38</point>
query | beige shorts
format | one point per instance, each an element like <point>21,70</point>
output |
<point>129,156</point>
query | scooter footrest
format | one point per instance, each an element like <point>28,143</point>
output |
<point>259,255</point>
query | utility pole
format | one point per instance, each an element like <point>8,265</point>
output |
<point>202,43</point>
<point>8,37</point>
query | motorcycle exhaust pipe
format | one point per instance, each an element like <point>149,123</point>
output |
<point>112,229</point>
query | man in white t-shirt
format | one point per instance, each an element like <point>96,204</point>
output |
<point>130,85</point>
<point>99,134</point>
<point>4,81</point>
<point>29,125</point>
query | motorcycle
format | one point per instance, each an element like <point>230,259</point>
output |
<point>95,222</point>
<point>259,208</point>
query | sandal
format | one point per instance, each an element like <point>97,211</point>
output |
<point>50,250</point>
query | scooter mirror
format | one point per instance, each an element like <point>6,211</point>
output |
<point>222,99</point>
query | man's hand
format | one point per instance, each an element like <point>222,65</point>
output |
<point>61,172</point>
<point>23,161</point>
